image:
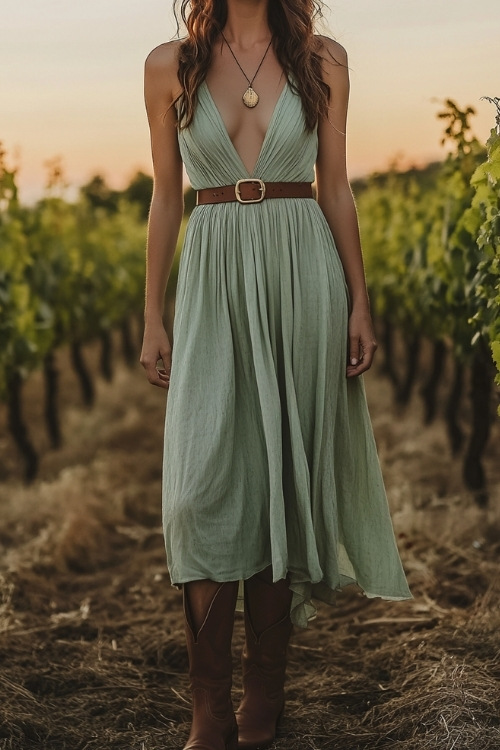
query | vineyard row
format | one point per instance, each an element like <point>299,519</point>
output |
<point>73,272</point>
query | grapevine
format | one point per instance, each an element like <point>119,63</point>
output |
<point>74,272</point>
<point>70,273</point>
<point>432,261</point>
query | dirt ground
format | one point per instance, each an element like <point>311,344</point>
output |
<point>91,645</point>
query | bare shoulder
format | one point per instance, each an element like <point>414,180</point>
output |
<point>164,57</point>
<point>331,50</point>
<point>160,71</point>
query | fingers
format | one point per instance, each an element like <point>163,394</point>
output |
<point>163,379</point>
<point>360,357</point>
<point>158,368</point>
<point>166,359</point>
<point>155,375</point>
<point>355,351</point>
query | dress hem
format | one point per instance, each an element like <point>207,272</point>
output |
<point>302,610</point>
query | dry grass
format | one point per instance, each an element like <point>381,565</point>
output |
<point>91,642</point>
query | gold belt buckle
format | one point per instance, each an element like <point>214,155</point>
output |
<point>262,188</point>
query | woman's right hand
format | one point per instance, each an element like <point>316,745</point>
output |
<point>155,347</point>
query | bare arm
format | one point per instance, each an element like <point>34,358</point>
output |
<point>337,203</point>
<point>160,82</point>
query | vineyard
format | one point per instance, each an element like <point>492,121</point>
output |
<point>92,644</point>
<point>432,251</point>
<point>91,631</point>
<point>72,272</point>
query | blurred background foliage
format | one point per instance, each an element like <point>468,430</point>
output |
<point>72,272</point>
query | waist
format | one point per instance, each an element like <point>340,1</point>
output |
<point>253,190</point>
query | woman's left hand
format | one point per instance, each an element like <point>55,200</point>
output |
<point>362,343</point>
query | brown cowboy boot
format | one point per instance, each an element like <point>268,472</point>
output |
<point>263,661</point>
<point>210,667</point>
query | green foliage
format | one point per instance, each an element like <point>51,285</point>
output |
<point>140,191</point>
<point>67,271</point>
<point>97,193</point>
<point>483,219</point>
<point>431,246</point>
<point>25,319</point>
<point>431,251</point>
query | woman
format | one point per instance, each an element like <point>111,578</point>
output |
<point>270,472</point>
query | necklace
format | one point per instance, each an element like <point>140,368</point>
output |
<point>250,97</point>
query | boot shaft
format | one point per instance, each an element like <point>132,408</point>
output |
<point>210,671</point>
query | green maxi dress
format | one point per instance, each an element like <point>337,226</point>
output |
<point>269,454</point>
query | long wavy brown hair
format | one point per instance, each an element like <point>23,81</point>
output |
<point>296,47</point>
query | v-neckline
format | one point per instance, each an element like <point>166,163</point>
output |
<point>226,132</point>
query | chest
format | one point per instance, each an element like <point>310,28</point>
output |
<point>228,83</point>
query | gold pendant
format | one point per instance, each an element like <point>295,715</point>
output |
<point>250,98</point>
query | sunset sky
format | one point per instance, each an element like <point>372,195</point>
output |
<point>71,80</point>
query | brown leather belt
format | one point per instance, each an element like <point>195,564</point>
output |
<point>253,190</point>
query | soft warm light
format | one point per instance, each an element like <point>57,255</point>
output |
<point>72,81</point>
